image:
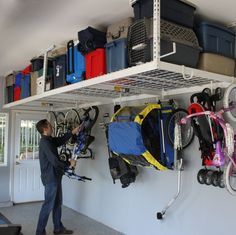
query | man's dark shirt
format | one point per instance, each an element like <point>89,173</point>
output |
<point>52,169</point>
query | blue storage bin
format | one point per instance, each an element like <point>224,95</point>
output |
<point>25,86</point>
<point>116,55</point>
<point>216,39</point>
<point>75,64</point>
<point>18,78</point>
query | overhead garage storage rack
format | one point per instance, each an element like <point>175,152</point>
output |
<point>149,80</point>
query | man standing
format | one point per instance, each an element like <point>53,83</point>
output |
<point>52,170</point>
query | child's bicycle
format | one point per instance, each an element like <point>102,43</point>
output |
<point>224,155</point>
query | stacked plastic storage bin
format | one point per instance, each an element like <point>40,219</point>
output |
<point>91,44</point>
<point>218,45</point>
<point>17,86</point>
<point>37,73</point>
<point>10,83</point>
<point>176,27</point>
<point>116,47</point>
<point>25,82</point>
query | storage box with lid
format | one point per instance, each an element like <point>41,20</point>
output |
<point>116,55</point>
<point>9,81</point>
<point>216,39</point>
<point>25,86</point>
<point>217,64</point>
<point>95,63</point>
<point>119,29</point>
<point>175,11</point>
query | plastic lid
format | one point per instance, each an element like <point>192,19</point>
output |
<point>223,28</point>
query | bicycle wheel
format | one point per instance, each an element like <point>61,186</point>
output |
<point>72,119</point>
<point>52,118</point>
<point>230,99</point>
<point>230,178</point>
<point>187,134</point>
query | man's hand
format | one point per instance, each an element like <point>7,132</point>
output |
<point>72,163</point>
<point>76,130</point>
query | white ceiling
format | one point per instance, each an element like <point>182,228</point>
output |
<point>29,26</point>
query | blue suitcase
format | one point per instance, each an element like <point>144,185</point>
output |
<point>25,86</point>
<point>75,64</point>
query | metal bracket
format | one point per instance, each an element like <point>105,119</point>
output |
<point>170,53</point>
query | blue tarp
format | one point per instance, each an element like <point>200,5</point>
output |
<point>125,138</point>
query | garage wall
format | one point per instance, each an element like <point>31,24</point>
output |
<point>199,209</point>
<point>4,170</point>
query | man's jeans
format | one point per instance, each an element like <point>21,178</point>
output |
<point>53,202</point>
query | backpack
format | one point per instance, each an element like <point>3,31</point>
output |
<point>120,169</point>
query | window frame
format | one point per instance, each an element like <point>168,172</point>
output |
<point>5,161</point>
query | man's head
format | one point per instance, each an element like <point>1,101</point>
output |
<point>44,127</point>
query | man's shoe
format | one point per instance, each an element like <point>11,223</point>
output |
<point>63,231</point>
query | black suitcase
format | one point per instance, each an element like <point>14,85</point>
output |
<point>90,39</point>
<point>59,74</point>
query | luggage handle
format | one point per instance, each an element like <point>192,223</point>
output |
<point>70,68</point>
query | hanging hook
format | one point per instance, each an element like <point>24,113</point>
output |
<point>184,75</point>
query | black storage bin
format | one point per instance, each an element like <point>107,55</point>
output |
<point>171,10</point>
<point>178,12</point>
<point>142,8</point>
<point>90,39</point>
<point>37,63</point>
<point>185,55</point>
<point>59,74</point>
<point>10,84</point>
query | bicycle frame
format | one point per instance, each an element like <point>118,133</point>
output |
<point>228,135</point>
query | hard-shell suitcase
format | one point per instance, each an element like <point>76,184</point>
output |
<point>25,86</point>
<point>119,30</point>
<point>75,64</point>
<point>59,73</point>
<point>90,39</point>
<point>95,63</point>
<point>217,64</point>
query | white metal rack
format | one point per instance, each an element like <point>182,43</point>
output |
<point>148,80</point>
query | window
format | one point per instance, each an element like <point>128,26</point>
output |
<point>29,140</point>
<point>3,138</point>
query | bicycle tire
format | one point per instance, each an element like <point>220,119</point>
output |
<point>93,120</point>
<point>228,172</point>
<point>228,99</point>
<point>169,131</point>
<point>52,118</point>
<point>74,121</point>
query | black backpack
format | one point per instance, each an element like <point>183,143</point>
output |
<point>120,169</point>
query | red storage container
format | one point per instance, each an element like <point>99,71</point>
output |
<point>27,70</point>
<point>95,63</point>
<point>16,93</point>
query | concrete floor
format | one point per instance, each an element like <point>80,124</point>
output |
<point>27,216</point>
